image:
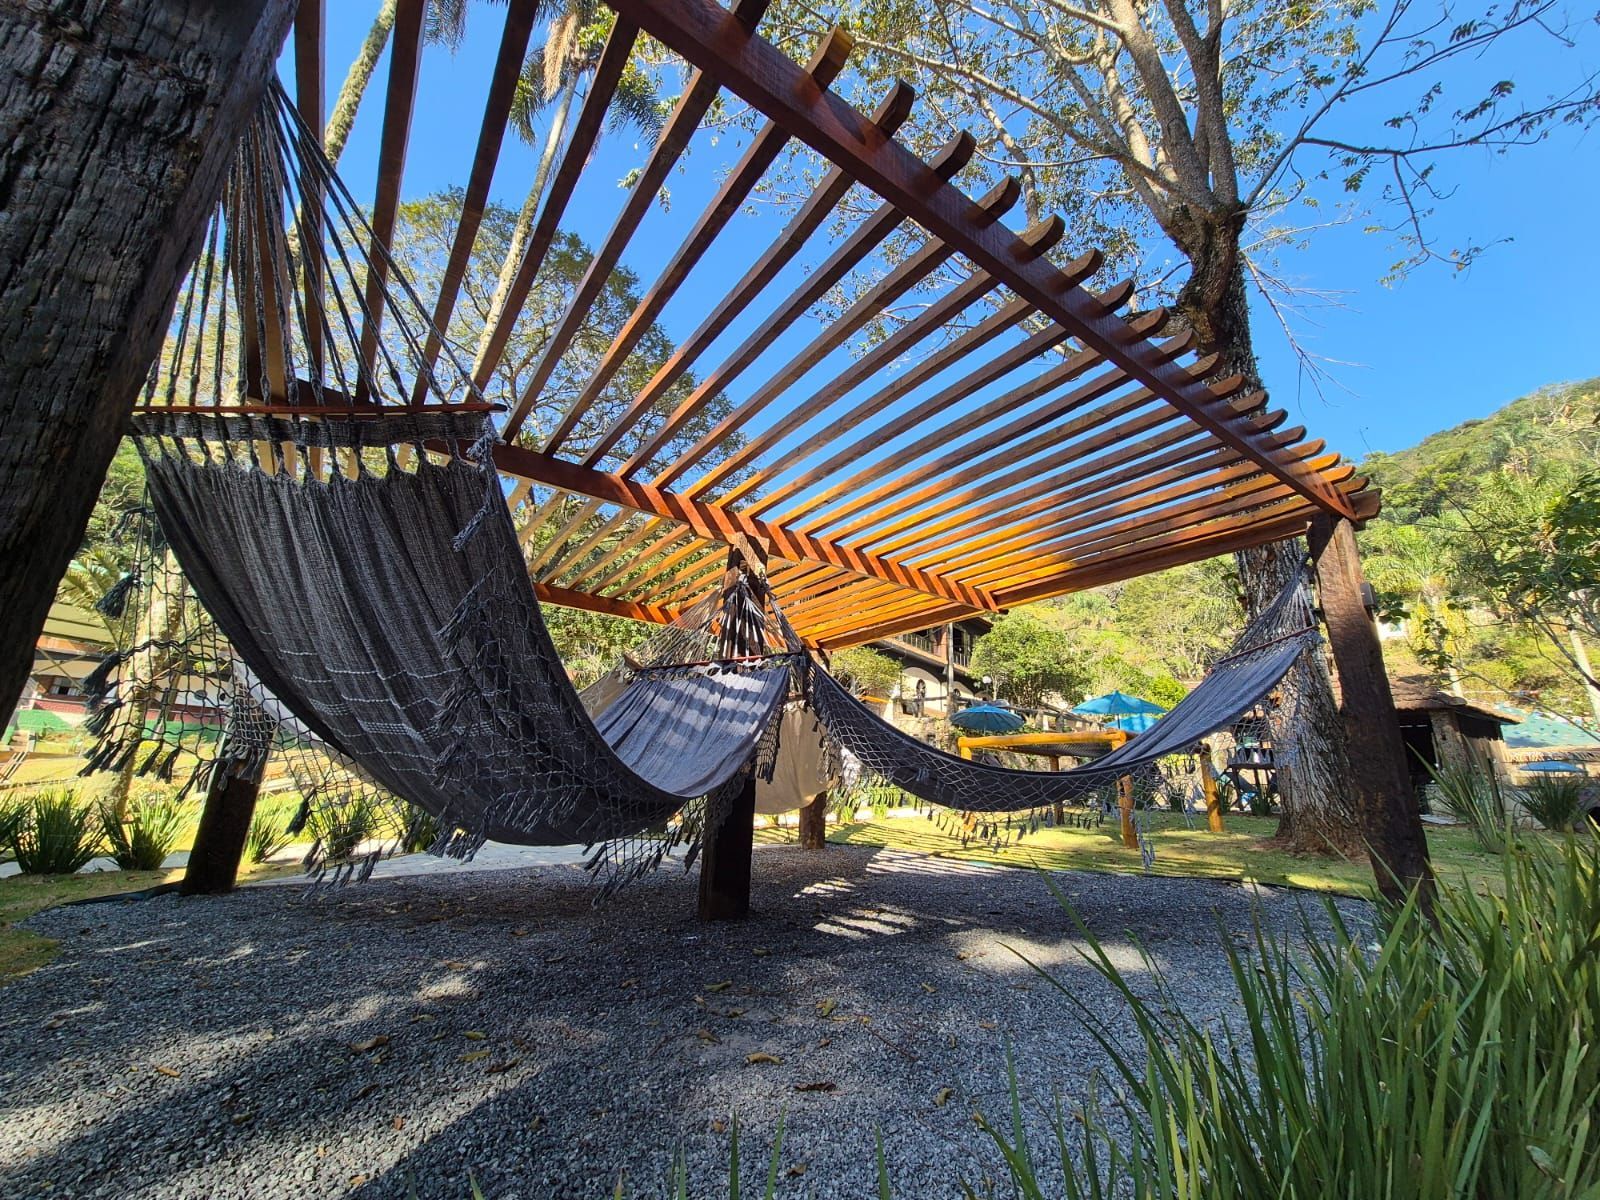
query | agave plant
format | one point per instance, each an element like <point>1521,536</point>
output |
<point>55,834</point>
<point>1554,803</point>
<point>144,834</point>
<point>1475,796</point>
<point>267,837</point>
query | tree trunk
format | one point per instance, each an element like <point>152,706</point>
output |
<point>219,841</point>
<point>343,117</point>
<point>814,824</point>
<point>1316,816</point>
<point>1377,778</point>
<point>117,122</point>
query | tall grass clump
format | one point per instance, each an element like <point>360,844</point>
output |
<point>143,835</point>
<point>267,837</point>
<point>55,834</point>
<point>341,830</point>
<point>1475,796</point>
<point>1448,1059</point>
<point>1554,802</point>
<point>10,822</point>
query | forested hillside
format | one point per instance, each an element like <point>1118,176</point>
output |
<point>1487,550</point>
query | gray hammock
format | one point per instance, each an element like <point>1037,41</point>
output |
<point>1260,656</point>
<point>392,614</point>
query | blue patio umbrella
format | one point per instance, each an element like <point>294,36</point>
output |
<point>1134,722</point>
<point>988,718</point>
<point>1551,767</point>
<point>1117,704</point>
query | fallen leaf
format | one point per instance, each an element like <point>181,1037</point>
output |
<point>705,1035</point>
<point>961,955</point>
<point>555,958</point>
<point>719,987</point>
<point>628,983</point>
<point>422,1017</point>
<point>474,1035</point>
<point>243,1118</point>
<point>168,1072</point>
<point>825,1007</point>
<point>761,1056</point>
<point>372,1043</point>
<point>824,1041</point>
<point>398,1123</point>
<point>366,1091</point>
<point>536,1124</point>
<point>519,933</point>
<point>987,1025</point>
<point>760,951</point>
<point>929,988</point>
<point>734,1013</point>
<point>453,965</point>
<point>474,1056</point>
<point>357,1180</point>
<point>500,1068</point>
<point>719,1127</point>
<point>796,1171</point>
<point>942,1097</point>
<point>821,1085</point>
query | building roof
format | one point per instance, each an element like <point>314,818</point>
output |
<point>1544,731</point>
<point>1415,693</point>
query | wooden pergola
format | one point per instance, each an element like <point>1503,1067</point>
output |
<point>1018,437</point>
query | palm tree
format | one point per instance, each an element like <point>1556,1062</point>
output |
<point>445,24</point>
<point>550,81</point>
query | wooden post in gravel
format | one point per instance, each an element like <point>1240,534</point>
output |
<point>725,858</point>
<point>219,841</point>
<point>814,824</point>
<point>1379,780</point>
<point>1208,784</point>
<point>118,119</point>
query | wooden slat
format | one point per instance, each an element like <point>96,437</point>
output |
<point>763,150</point>
<point>891,114</point>
<point>1143,494</point>
<point>715,523</point>
<point>862,241</point>
<point>405,60</point>
<point>614,60</point>
<point>704,34</point>
<point>840,636</point>
<point>979,509</point>
<point>583,549</point>
<point>880,358</point>
<point>575,521</point>
<point>491,135</point>
<point>946,399</point>
<point>668,534</point>
<point>675,135</point>
<point>310,75</point>
<point>1021,437</point>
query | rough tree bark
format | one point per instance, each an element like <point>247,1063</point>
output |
<point>117,121</point>
<point>1317,813</point>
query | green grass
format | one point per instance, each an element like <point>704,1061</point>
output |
<point>1240,853</point>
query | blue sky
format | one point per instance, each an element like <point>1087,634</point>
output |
<point>1437,348</point>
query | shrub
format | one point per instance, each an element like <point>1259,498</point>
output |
<point>342,829</point>
<point>422,831</point>
<point>142,839</point>
<point>10,822</point>
<point>1462,1052</point>
<point>267,837</point>
<point>1473,795</point>
<point>1553,802</point>
<point>55,835</point>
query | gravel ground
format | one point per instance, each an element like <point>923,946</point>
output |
<point>407,1032</point>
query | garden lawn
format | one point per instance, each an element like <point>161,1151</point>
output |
<point>1240,853</point>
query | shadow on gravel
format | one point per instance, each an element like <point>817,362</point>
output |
<point>412,1031</point>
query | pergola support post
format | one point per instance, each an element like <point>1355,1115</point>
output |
<point>220,838</point>
<point>1390,820</point>
<point>814,823</point>
<point>1208,785</point>
<point>725,858</point>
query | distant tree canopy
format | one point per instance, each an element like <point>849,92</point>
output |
<point>1030,660</point>
<point>1488,548</point>
<point>865,671</point>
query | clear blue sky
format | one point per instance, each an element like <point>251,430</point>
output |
<point>1437,348</point>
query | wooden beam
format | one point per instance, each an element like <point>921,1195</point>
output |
<point>865,238</point>
<point>1379,776</point>
<point>405,60</point>
<point>491,135</point>
<point>310,67</point>
<point>763,150</point>
<point>589,602</point>
<point>614,59</point>
<point>719,524</point>
<point>749,66</point>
